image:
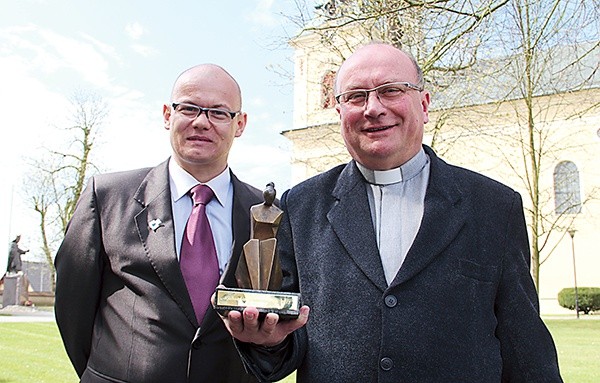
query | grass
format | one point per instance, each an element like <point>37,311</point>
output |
<point>578,345</point>
<point>33,352</point>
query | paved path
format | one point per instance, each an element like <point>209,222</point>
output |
<point>32,314</point>
<point>25,314</point>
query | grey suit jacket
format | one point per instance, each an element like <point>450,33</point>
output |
<point>462,308</point>
<point>122,306</point>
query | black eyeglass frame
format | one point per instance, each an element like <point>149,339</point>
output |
<point>206,111</point>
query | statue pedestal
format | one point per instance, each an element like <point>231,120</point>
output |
<point>15,289</point>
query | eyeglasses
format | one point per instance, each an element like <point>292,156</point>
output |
<point>214,115</point>
<point>385,93</point>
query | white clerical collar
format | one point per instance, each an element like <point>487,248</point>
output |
<point>392,176</point>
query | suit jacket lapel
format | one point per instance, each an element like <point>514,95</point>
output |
<point>351,220</point>
<point>154,197</point>
<point>443,217</point>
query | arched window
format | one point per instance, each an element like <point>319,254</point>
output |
<point>327,96</point>
<point>567,194</point>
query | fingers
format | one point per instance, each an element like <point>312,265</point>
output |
<point>234,323</point>
<point>251,322</point>
<point>243,326</point>
<point>249,328</point>
<point>293,325</point>
<point>270,323</point>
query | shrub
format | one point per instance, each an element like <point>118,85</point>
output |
<point>588,297</point>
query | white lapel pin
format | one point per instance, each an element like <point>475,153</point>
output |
<point>155,224</point>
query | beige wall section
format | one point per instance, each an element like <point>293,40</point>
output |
<point>311,62</point>
<point>315,149</point>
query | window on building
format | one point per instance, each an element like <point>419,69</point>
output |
<point>327,96</point>
<point>567,192</point>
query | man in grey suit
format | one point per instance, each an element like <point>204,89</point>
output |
<point>122,304</point>
<point>414,270</point>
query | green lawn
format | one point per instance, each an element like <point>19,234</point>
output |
<point>33,352</point>
<point>578,345</point>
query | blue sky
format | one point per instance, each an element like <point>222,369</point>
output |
<point>129,53</point>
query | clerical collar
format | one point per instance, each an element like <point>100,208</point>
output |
<point>392,176</point>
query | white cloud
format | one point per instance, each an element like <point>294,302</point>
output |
<point>135,30</point>
<point>144,50</point>
<point>258,102</point>
<point>263,14</point>
<point>106,49</point>
<point>78,56</point>
<point>49,52</point>
<point>258,164</point>
<point>133,135</point>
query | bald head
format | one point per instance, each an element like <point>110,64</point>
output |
<point>215,72</point>
<point>370,55</point>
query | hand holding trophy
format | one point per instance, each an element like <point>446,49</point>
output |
<point>258,273</point>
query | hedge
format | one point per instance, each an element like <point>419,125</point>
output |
<point>588,297</point>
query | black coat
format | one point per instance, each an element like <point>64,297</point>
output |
<point>462,308</point>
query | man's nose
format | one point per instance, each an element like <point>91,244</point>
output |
<point>373,104</point>
<point>202,122</point>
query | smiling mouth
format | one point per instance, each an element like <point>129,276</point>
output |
<point>201,139</point>
<point>378,129</point>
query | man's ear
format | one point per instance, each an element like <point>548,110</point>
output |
<point>425,100</point>
<point>338,109</point>
<point>167,116</point>
<point>240,124</point>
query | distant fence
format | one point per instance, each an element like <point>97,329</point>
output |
<point>39,275</point>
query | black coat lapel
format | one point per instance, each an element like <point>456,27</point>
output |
<point>443,218</point>
<point>351,220</point>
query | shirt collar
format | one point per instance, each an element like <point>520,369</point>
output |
<point>182,182</point>
<point>404,172</point>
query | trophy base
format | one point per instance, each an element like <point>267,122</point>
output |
<point>284,304</point>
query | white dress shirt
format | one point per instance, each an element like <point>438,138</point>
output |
<point>219,209</point>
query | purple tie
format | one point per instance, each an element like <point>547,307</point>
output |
<point>198,259</point>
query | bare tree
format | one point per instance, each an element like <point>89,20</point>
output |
<point>533,85</point>
<point>552,50</point>
<point>444,35</point>
<point>57,180</point>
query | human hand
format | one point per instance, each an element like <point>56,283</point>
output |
<point>246,327</point>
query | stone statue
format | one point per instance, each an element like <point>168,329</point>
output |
<point>14,256</point>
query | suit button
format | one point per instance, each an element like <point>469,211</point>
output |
<point>386,364</point>
<point>391,301</point>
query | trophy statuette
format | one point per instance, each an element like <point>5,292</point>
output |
<point>258,272</point>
